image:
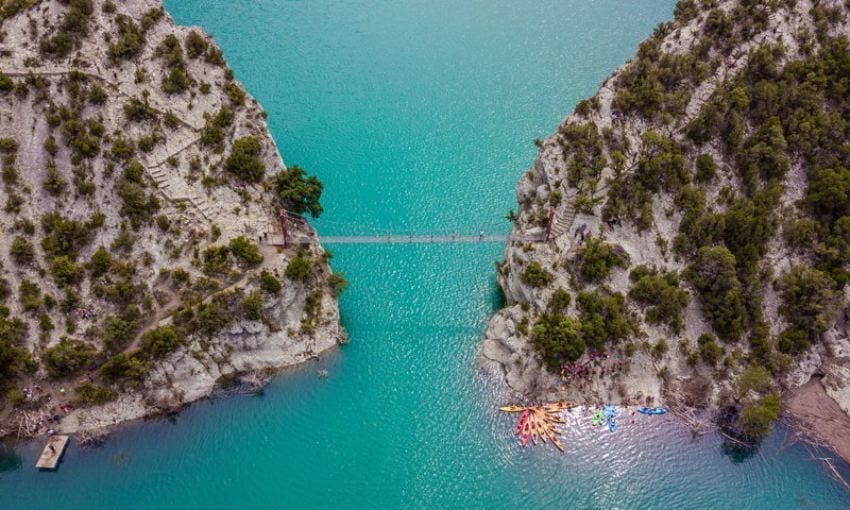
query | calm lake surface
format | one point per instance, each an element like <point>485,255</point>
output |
<point>419,115</point>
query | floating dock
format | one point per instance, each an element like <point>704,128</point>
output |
<point>52,452</point>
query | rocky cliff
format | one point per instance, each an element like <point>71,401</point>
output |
<point>139,219</point>
<point>696,210</point>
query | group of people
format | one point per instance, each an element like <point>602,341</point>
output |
<point>596,365</point>
<point>87,313</point>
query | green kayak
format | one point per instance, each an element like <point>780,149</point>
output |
<point>597,418</point>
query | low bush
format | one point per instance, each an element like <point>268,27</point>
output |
<point>535,276</point>
<point>68,357</point>
<point>244,160</point>
<point>90,394</point>
<point>299,268</point>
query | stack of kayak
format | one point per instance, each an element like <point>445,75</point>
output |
<point>539,422</point>
<point>607,415</point>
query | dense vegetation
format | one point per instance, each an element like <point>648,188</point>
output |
<point>755,174</point>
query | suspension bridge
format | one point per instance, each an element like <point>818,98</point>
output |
<point>292,227</point>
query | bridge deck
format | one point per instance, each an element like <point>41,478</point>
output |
<point>418,239</point>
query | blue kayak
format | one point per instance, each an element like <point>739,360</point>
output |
<point>612,424</point>
<point>652,410</point>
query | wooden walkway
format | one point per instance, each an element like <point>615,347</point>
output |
<point>419,239</point>
<point>52,453</point>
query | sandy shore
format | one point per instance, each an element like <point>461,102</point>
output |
<point>820,416</point>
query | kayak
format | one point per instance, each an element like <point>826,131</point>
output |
<point>512,409</point>
<point>610,411</point>
<point>521,423</point>
<point>597,419</point>
<point>652,410</point>
<point>612,424</point>
<point>561,405</point>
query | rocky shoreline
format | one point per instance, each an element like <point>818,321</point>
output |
<point>548,201</point>
<point>158,100</point>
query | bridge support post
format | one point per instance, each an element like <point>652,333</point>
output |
<point>550,223</point>
<point>283,230</point>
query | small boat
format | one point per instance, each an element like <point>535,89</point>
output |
<point>521,423</point>
<point>612,424</point>
<point>513,409</point>
<point>526,432</point>
<point>652,410</point>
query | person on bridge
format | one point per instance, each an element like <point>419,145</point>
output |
<point>481,235</point>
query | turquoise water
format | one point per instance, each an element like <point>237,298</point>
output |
<point>419,116</point>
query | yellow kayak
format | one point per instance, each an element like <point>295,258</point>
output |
<point>512,409</point>
<point>560,405</point>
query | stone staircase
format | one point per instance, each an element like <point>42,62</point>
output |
<point>174,189</point>
<point>564,220</point>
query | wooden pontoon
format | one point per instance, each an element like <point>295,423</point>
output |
<point>52,452</point>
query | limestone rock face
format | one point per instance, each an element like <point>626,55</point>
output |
<point>136,130</point>
<point>549,188</point>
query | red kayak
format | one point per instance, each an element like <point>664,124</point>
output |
<point>526,432</point>
<point>521,423</point>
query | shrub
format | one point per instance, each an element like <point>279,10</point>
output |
<point>709,351</point>
<point>30,296</point>
<point>337,284</point>
<point>64,236</point>
<point>756,420</point>
<point>299,268</point>
<point>216,259</point>
<point>65,271</point>
<point>244,161</point>
<point>117,333</point>
<point>137,110</point>
<point>196,44</point>
<point>176,82</point>
<point>793,340</point>
<point>809,299</point>
<point>158,342</point>
<point>706,168</point>
<point>661,294</point>
<point>72,29</point>
<point>597,259</point>
<point>100,263</point>
<point>13,357</point>
<point>603,318</point>
<point>535,276</point>
<point>557,338</point>
<point>68,357</point>
<point>131,39</point>
<point>754,378</point>
<point>252,306</point>
<point>90,394</point>
<point>244,250</point>
<point>660,349</point>
<point>131,367</point>
<point>235,94</point>
<point>297,192</point>
<point>713,275</point>
<point>22,251</point>
<point>559,301</point>
<point>269,283</point>
<point>54,183</point>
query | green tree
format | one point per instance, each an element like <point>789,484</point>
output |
<point>557,338</point>
<point>756,420</point>
<point>534,275</point>
<point>299,268</point>
<point>68,357</point>
<point>713,275</point>
<point>244,160</point>
<point>298,192</point>
<point>809,299</point>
